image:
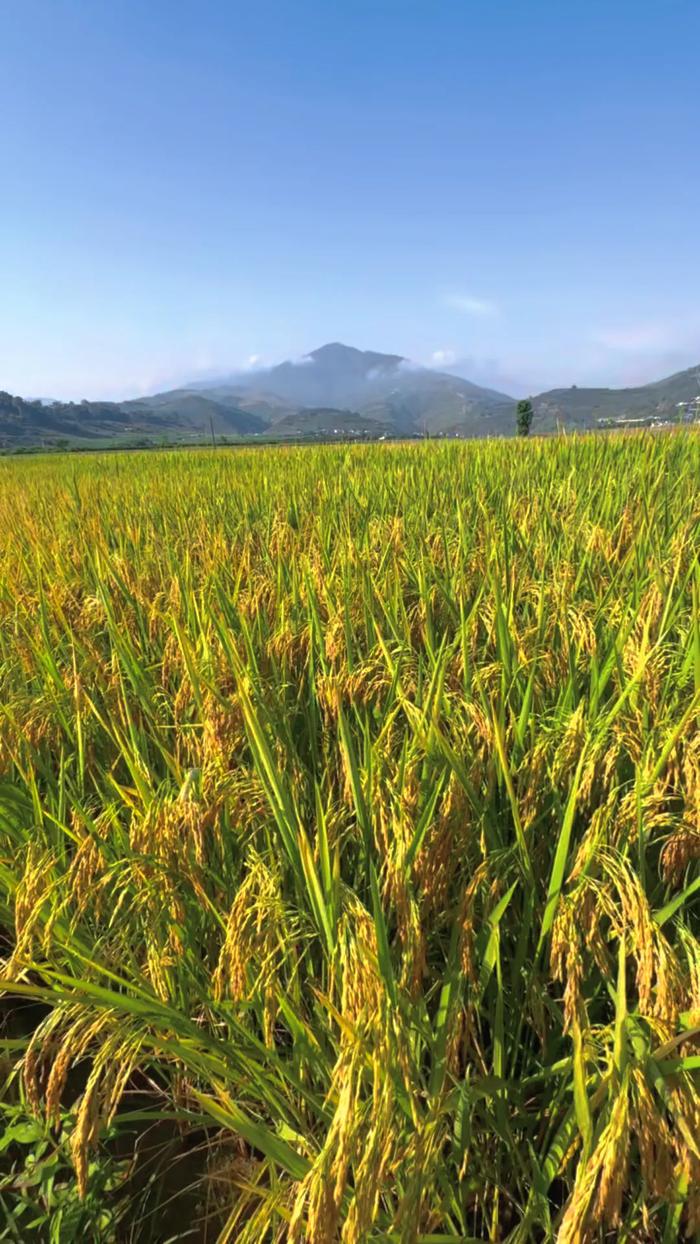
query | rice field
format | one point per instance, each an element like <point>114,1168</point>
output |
<point>350,842</point>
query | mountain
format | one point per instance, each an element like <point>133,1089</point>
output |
<point>30,422</point>
<point>197,412</point>
<point>179,415</point>
<point>384,387</point>
<point>338,391</point>
<point>590,408</point>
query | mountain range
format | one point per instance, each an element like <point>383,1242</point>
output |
<point>335,391</point>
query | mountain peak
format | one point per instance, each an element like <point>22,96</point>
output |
<point>333,347</point>
<point>336,352</point>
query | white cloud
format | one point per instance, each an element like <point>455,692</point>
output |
<point>469,305</point>
<point>443,358</point>
<point>256,362</point>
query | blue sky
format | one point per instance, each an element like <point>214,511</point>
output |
<point>509,189</point>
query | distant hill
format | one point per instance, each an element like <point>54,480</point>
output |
<point>337,391</point>
<point>321,421</point>
<point>196,412</point>
<point>172,416</point>
<point>30,422</point>
<point>586,408</point>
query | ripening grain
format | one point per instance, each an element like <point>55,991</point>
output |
<point>350,828</point>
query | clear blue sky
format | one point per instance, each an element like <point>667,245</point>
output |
<point>508,187</point>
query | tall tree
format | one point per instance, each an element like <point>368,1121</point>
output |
<point>524,417</point>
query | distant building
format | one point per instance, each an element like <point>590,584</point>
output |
<point>689,412</point>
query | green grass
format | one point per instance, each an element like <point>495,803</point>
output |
<point>349,840</point>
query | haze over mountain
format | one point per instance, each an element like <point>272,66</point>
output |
<point>337,390</point>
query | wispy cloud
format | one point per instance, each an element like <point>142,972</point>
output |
<point>469,305</point>
<point>633,337</point>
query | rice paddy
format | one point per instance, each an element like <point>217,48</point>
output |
<point>349,843</point>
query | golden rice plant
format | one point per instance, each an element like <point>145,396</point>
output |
<point>350,842</point>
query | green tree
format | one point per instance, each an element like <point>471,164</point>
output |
<point>524,417</point>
